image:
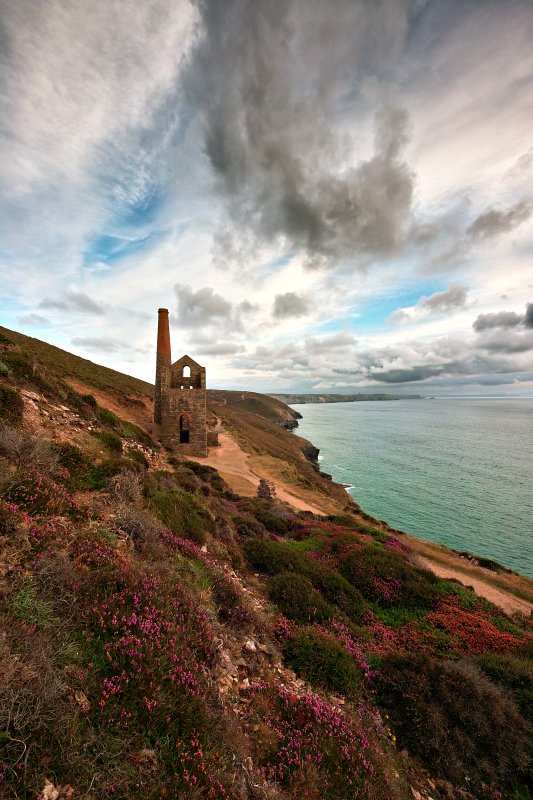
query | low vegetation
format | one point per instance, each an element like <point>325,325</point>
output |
<point>163,637</point>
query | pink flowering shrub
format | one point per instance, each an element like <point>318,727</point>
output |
<point>385,577</point>
<point>156,648</point>
<point>312,748</point>
<point>37,495</point>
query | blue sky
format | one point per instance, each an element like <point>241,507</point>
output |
<point>325,195</point>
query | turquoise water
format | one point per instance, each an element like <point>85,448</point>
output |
<point>454,471</point>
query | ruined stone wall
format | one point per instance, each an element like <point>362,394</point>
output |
<point>191,404</point>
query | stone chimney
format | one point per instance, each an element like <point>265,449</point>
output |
<point>162,369</point>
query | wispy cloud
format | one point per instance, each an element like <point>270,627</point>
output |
<point>445,302</point>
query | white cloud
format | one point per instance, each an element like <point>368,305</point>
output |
<point>99,140</point>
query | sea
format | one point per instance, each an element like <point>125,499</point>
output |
<point>454,471</point>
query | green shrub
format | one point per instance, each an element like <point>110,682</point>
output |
<point>132,431</point>
<point>5,339</point>
<point>344,521</point>
<point>99,475</point>
<point>248,526</point>
<point>18,365</point>
<point>322,660</point>
<point>27,607</point>
<point>455,719</point>
<point>388,579</point>
<point>202,470</point>
<point>183,514</point>
<point>186,479</point>
<point>11,406</point>
<point>336,589</point>
<point>89,400</point>
<point>296,598</point>
<point>275,557</point>
<point>272,522</point>
<point>72,459</point>
<point>139,457</point>
<point>111,441</point>
<point>74,399</point>
<point>4,369</point>
<point>108,418</point>
<point>515,672</point>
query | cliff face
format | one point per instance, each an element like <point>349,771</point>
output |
<point>162,636</point>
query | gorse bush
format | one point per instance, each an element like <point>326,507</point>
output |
<point>296,598</point>
<point>272,522</point>
<point>452,717</point>
<point>322,660</point>
<point>11,406</point>
<point>89,400</point>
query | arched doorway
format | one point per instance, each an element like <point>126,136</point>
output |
<point>184,429</point>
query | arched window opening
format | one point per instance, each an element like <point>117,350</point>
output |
<point>186,371</point>
<point>184,429</point>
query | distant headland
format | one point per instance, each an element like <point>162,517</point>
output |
<point>341,398</point>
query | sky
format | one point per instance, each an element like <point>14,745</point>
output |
<point>326,195</point>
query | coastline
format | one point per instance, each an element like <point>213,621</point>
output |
<point>451,474</point>
<point>242,469</point>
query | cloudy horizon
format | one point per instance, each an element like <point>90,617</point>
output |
<point>327,196</point>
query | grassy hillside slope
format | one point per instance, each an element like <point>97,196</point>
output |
<point>260,423</point>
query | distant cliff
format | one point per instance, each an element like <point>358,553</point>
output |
<point>341,398</point>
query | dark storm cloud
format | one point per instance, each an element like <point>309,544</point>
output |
<point>74,301</point>
<point>494,222</point>
<point>268,81</point>
<point>290,305</point>
<point>407,375</point>
<point>201,308</point>
<point>529,316</point>
<point>506,341</point>
<point>500,319</point>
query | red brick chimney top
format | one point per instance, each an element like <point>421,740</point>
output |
<point>163,333</point>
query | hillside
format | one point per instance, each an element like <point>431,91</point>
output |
<point>163,636</point>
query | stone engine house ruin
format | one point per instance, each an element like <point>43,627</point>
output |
<point>180,406</point>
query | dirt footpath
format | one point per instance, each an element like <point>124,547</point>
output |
<point>234,466</point>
